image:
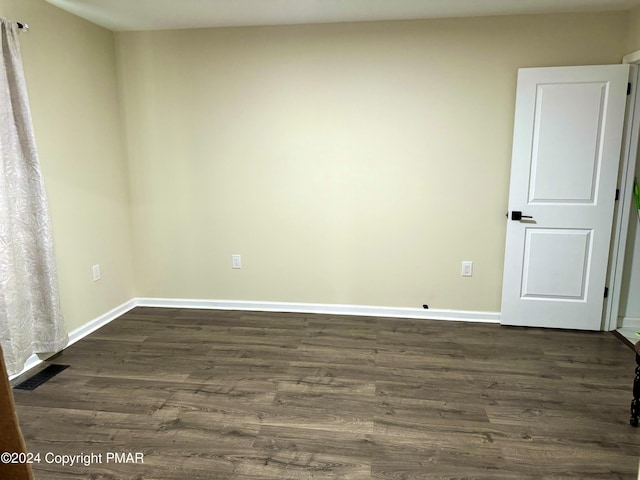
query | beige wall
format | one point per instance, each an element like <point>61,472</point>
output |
<point>350,163</point>
<point>353,163</point>
<point>633,31</point>
<point>70,70</point>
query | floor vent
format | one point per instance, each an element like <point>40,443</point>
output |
<point>41,377</point>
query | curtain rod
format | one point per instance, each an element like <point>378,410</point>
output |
<point>23,26</point>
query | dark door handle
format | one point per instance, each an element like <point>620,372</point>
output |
<point>516,215</point>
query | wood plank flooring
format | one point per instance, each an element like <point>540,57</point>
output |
<point>241,395</point>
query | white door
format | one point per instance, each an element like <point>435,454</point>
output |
<point>566,150</point>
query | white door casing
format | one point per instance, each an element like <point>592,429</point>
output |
<point>566,151</point>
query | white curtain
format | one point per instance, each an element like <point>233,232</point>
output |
<point>30,317</point>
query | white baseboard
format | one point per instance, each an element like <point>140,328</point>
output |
<point>32,361</point>
<point>101,321</point>
<point>630,322</point>
<point>285,307</point>
<point>323,308</point>
<point>79,333</point>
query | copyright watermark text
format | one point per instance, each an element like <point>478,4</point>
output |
<point>84,459</point>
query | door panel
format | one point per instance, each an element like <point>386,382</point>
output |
<point>566,150</point>
<point>556,262</point>
<point>566,154</point>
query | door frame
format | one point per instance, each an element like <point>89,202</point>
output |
<point>626,174</point>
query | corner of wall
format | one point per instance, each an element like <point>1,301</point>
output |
<point>633,31</point>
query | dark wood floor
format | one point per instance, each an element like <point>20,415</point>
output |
<point>240,395</point>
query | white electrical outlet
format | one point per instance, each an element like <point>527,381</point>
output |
<point>236,261</point>
<point>96,272</point>
<point>467,269</point>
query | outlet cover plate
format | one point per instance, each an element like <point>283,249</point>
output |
<point>467,269</point>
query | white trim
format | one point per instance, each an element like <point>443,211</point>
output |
<point>633,57</point>
<point>90,327</point>
<point>80,332</point>
<point>323,308</point>
<point>617,249</point>
<point>630,322</point>
<point>32,361</point>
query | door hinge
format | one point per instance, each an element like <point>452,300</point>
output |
<point>617,194</point>
<point>628,88</point>
<point>606,292</point>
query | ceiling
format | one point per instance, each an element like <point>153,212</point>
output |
<point>170,14</point>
